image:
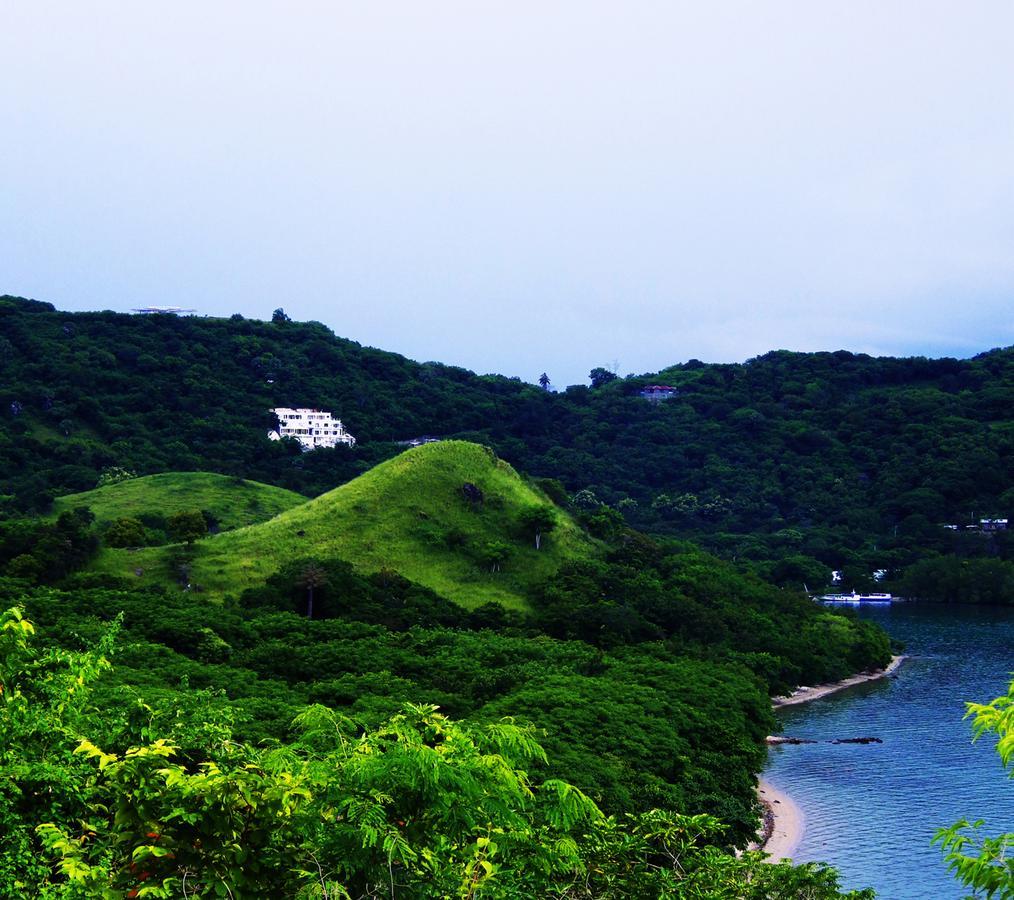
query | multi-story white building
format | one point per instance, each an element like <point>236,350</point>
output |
<point>311,427</point>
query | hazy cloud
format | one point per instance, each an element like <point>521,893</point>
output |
<point>523,186</point>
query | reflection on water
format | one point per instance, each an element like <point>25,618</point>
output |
<point>871,810</point>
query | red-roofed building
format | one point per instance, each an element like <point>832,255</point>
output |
<point>656,393</point>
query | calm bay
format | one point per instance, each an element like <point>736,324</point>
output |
<point>871,810</point>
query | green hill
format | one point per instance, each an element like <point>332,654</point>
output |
<point>799,463</point>
<point>234,502</point>
<point>409,514</point>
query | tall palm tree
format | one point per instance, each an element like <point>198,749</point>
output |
<point>311,577</point>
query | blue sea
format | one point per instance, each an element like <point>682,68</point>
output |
<point>872,810</point>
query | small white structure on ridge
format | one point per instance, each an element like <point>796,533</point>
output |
<point>311,427</point>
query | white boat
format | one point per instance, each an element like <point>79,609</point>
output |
<point>855,598</point>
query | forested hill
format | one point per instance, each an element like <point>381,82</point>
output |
<point>83,391</point>
<point>822,459</point>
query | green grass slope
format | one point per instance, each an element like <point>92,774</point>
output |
<point>408,514</point>
<point>235,502</point>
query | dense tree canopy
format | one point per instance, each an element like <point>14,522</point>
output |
<point>160,800</point>
<point>332,729</point>
<point>839,460</point>
<point>656,661</point>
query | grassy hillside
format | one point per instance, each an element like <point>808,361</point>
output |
<point>798,462</point>
<point>408,514</point>
<point>234,502</point>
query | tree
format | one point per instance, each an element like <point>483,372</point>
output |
<point>48,551</point>
<point>179,563</point>
<point>278,317</point>
<point>554,490</point>
<point>989,867</point>
<point>538,520</point>
<point>600,376</point>
<point>798,570</point>
<point>544,381</point>
<point>125,532</point>
<point>187,526</point>
<point>586,499</point>
<point>950,579</point>
<point>494,554</point>
<point>311,577</point>
<point>25,566</point>
<point>114,475</point>
<point>604,522</point>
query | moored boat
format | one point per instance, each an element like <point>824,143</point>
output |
<point>855,598</point>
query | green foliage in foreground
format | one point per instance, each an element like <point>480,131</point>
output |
<point>633,730</point>
<point>984,863</point>
<point>138,801</point>
<point>409,514</point>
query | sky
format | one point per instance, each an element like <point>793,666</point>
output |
<point>523,186</point>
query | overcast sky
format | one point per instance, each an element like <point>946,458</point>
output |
<point>517,186</point>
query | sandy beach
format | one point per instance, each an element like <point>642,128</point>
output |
<point>784,822</point>
<point>806,694</point>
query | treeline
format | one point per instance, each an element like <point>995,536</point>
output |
<point>951,579</point>
<point>83,392</point>
<point>46,552</point>
<point>835,460</point>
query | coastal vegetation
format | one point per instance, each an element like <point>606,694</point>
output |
<point>619,629</point>
<point>159,800</point>
<point>644,667</point>
<point>953,579</point>
<point>798,464</point>
<point>533,658</point>
<point>981,861</point>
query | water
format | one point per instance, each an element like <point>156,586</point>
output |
<point>871,810</point>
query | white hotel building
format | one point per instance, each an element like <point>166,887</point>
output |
<point>311,427</point>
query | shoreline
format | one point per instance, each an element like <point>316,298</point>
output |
<point>806,694</point>
<point>784,823</point>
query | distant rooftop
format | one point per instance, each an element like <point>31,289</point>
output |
<point>658,392</point>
